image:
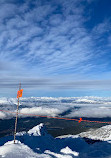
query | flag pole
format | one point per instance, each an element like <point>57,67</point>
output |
<point>16,115</point>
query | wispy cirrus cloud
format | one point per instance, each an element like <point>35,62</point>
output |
<point>48,39</point>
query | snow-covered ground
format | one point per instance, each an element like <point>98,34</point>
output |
<point>37,143</point>
<point>103,133</point>
<point>97,107</point>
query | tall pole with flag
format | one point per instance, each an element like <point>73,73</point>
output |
<point>19,94</point>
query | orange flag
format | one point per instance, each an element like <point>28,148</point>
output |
<point>19,93</point>
<point>80,119</point>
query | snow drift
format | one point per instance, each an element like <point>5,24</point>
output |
<point>37,143</point>
<point>103,133</point>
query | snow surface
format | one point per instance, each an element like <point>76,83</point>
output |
<point>97,107</point>
<point>67,150</point>
<point>103,133</point>
<point>38,130</point>
<point>37,143</point>
<point>19,150</point>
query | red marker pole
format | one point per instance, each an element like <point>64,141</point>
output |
<point>17,114</point>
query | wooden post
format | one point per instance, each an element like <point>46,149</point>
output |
<point>16,116</point>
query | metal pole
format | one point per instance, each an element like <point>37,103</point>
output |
<point>16,116</point>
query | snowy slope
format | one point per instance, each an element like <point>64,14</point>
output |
<point>103,133</point>
<point>37,143</point>
<point>18,150</point>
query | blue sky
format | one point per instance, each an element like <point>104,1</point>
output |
<point>55,47</point>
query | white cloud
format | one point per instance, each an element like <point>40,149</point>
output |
<point>2,115</point>
<point>22,29</point>
<point>94,107</point>
<point>91,111</point>
<point>102,27</point>
<point>41,111</point>
<point>7,10</point>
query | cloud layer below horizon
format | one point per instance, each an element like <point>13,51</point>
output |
<point>89,107</point>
